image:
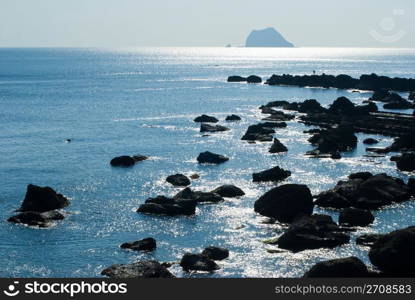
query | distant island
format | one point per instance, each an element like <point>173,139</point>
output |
<point>267,37</point>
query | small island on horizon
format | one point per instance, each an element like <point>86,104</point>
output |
<point>267,37</point>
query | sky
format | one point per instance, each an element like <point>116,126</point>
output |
<point>131,23</point>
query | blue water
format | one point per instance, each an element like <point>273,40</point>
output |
<point>116,102</point>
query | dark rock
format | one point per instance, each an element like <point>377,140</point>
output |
<point>312,232</point>
<point>411,96</point>
<point>215,253</point>
<point>178,180</point>
<point>361,175</point>
<point>229,191</point>
<point>342,106</point>
<point>254,79</point>
<point>399,104</point>
<point>343,267</point>
<point>212,128</point>
<point>379,95</point>
<point>274,174</point>
<point>127,161</point>
<point>41,199</point>
<point>236,79</point>
<point>147,244</point>
<point>199,197</point>
<point>394,252</point>
<point>233,118</point>
<point>32,218</point>
<point>211,158</point>
<point>355,217</point>
<point>277,147</point>
<point>142,269</point>
<point>258,132</point>
<point>197,262</point>
<point>285,202</point>
<point>175,208</point>
<point>368,239</point>
<point>405,162</point>
<point>411,185</point>
<point>310,106</point>
<point>194,176</point>
<point>370,141</point>
<point>334,140</point>
<point>278,103</point>
<point>160,200</point>
<point>206,119</point>
<point>332,199</point>
<point>275,115</point>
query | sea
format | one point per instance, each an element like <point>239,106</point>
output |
<point>112,102</point>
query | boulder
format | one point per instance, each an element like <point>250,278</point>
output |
<point>236,78</point>
<point>205,119</point>
<point>254,79</point>
<point>197,196</point>
<point>370,141</point>
<point>368,239</point>
<point>212,128</point>
<point>361,175</point>
<point>141,269</point>
<point>170,208</point>
<point>277,147</point>
<point>274,174</point>
<point>393,252</point>
<point>284,203</point>
<point>33,218</point>
<point>41,199</point>
<point>233,118</point>
<point>311,106</point>
<point>147,244</point>
<point>127,161</point>
<point>342,106</point>
<point>355,217</point>
<point>178,180</point>
<point>229,191</point>
<point>197,262</point>
<point>278,103</point>
<point>332,140</point>
<point>411,185</point>
<point>405,162</point>
<point>343,267</point>
<point>211,158</point>
<point>411,96</point>
<point>215,253</point>
<point>312,232</point>
<point>258,132</point>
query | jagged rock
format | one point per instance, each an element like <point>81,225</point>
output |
<point>370,141</point>
<point>310,106</point>
<point>355,217</point>
<point>258,132</point>
<point>274,174</point>
<point>411,185</point>
<point>178,180</point>
<point>40,219</point>
<point>343,267</point>
<point>235,78</point>
<point>277,147</point>
<point>206,119</point>
<point>212,128</point>
<point>233,118</point>
<point>141,269</point>
<point>254,79</point>
<point>405,162</point>
<point>127,161</point>
<point>334,140</point>
<point>194,176</point>
<point>342,106</point>
<point>215,253</point>
<point>42,199</point>
<point>229,191</point>
<point>211,158</point>
<point>285,202</point>
<point>147,244</point>
<point>199,197</point>
<point>170,207</point>
<point>198,262</point>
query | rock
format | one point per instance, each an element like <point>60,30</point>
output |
<point>215,253</point>
<point>233,118</point>
<point>41,199</point>
<point>274,174</point>
<point>229,191</point>
<point>411,185</point>
<point>267,37</point>
<point>379,95</point>
<point>212,128</point>
<point>355,217</point>
<point>278,103</point>
<point>405,162</point>
<point>332,199</point>
<point>393,252</point>
<point>254,79</point>
<point>258,132</point>
<point>147,244</point>
<point>334,140</point>
<point>197,262</point>
<point>368,239</point>
<point>310,106</point>
<point>127,161</point>
<point>275,115</point>
<point>361,175</point>
<point>32,218</point>
<point>370,141</point>
<point>197,196</point>
<point>194,176</point>
<point>312,232</point>
<point>277,147</point>
<point>236,79</point>
<point>211,158</point>
<point>411,96</point>
<point>178,180</point>
<point>342,106</point>
<point>399,104</point>
<point>343,267</point>
<point>141,269</point>
<point>273,124</point>
<point>284,203</point>
<point>206,119</point>
<point>170,208</point>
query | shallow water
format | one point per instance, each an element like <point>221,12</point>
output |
<point>128,101</point>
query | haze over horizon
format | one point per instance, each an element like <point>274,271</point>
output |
<point>129,23</point>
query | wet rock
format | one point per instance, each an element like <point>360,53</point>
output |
<point>399,104</point>
<point>405,162</point>
<point>212,128</point>
<point>361,175</point>
<point>194,176</point>
<point>197,196</point>
<point>411,185</point>
<point>258,132</point>
<point>205,119</point>
<point>310,106</point>
<point>276,116</point>
<point>284,203</point>
<point>215,253</point>
<point>41,199</point>
<point>278,103</point>
<point>178,180</point>
<point>147,244</point>
<point>254,79</point>
<point>277,147</point>
<point>211,158</point>
<point>127,161</point>
<point>368,239</point>
<point>141,269</point>
<point>233,118</point>
<point>32,218</point>
<point>170,208</point>
<point>411,96</point>
<point>312,232</point>
<point>355,217</point>
<point>235,78</point>
<point>370,141</point>
<point>229,191</point>
<point>198,262</point>
<point>343,267</point>
<point>393,252</point>
<point>342,106</point>
<point>274,174</point>
<point>332,199</point>
<point>334,140</point>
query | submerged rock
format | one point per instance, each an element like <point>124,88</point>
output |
<point>334,140</point>
<point>32,218</point>
<point>355,217</point>
<point>274,174</point>
<point>211,158</point>
<point>169,207</point>
<point>286,202</point>
<point>206,119</point>
<point>197,196</point>
<point>215,253</point>
<point>343,267</point>
<point>147,244</point>
<point>127,161</point>
<point>233,118</point>
<point>141,269</point>
<point>42,199</point>
<point>212,128</point>
<point>178,180</point>
<point>235,78</point>
<point>198,262</point>
<point>277,147</point>
<point>229,191</point>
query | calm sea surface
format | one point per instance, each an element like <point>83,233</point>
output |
<point>116,102</point>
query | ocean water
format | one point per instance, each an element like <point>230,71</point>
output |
<point>114,102</point>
